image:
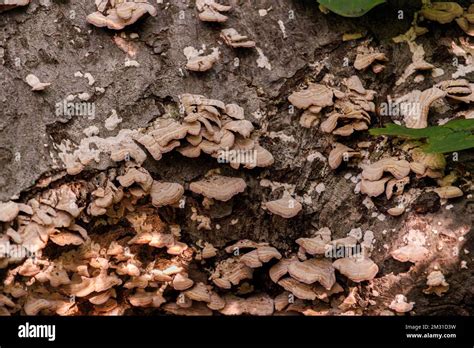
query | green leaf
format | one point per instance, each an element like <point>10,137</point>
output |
<point>410,133</point>
<point>350,8</point>
<point>453,136</point>
<point>457,141</point>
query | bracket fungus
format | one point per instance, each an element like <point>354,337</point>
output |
<point>414,250</point>
<point>437,284</point>
<point>418,117</point>
<point>35,83</point>
<point>466,22</point>
<point>398,168</point>
<point>118,14</point>
<point>442,12</point>
<point>300,290</point>
<point>400,304</point>
<point>396,211</point>
<point>256,258</point>
<point>315,95</point>
<point>367,56</point>
<point>317,244</point>
<point>410,253</point>
<point>198,62</point>
<point>210,11</point>
<point>313,270</point>
<point>221,188</point>
<point>460,90</point>
<point>233,39</point>
<point>230,272</point>
<point>165,193</point>
<point>339,153</point>
<point>448,192</point>
<point>286,207</point>
<point>208,251</point>
<point>8,211</point>
<point>357,269</point>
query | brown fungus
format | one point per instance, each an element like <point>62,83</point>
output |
<point>286,207</point>
<point>357,269</point>
<point>232,38</point>
<point>121,14</point>
<point>221,188</point>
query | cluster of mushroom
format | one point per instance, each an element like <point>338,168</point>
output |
<point>104,270</point>
<point>210,11</point>
<point>367,56</point>
<point>96,274</point>
<point>350,109</point>
<point>93,271</point>
<point>374,182</point>
<point>11,4</point>
<point>446,12</point>
<point>314,278</point>
<point>49,216</point>
<point>416,116</point>
<point>209,126</point>
<point>198,61</point>
<point>220,130</point>
<point>117,14</point>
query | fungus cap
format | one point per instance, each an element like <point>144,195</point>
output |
<point>313,270</point>
<point>8,211</point>
<point>357,269</point>
<point>221,188</point>
<point>286,207</point>
<point>165,193</point>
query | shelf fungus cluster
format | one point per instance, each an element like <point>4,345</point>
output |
<point>374,181</point>
<point>209,126</point>
<point>221,130</point>
<point>210,11</point>
<point>350,107</point>
<point>447,12</point>
<point>314,278</point>
<point>107,269</point>
<point>369,57</point>
<point>117,14</point>
<point>391,175</point>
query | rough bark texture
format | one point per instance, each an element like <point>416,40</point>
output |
<point>54,41</point>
